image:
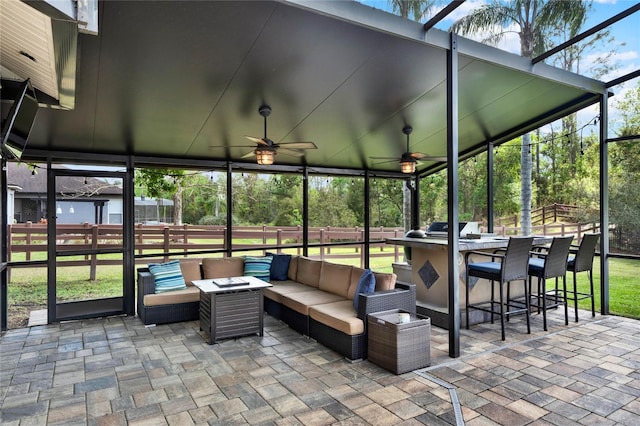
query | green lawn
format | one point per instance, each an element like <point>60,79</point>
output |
<point>624,287</point>
<point>27,288</point>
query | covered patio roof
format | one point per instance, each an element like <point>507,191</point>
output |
<point>186,79</point>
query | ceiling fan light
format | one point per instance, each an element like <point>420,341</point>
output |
<point>264,156</point>
<point>407,166</point>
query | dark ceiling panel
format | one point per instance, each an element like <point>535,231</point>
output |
<point>185,80</point>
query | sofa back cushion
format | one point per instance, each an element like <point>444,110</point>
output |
<point>259,267</point>
<point>356,273</point>
<point>223,267</point>
<point>293,268</point>
<point>167,276</point>
<point>366,285</point>
<point>385,281</point>
<point>335,278</point>
<point>279,266</point>
<point>190,271</point>
<point>308,271</point>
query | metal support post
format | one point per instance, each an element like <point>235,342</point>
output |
<point>604,205</point>
<point>128,235</point>
<point>490,187</point>
<point>305,211</point>
<point>367,218</point>
<point>453,249</point>
<point>229,236</point>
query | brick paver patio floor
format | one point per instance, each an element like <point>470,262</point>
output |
<point>116,371</point>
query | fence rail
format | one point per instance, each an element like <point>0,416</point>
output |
<point>31,238</point>
<point>550,229</point>
<point>543,215</point>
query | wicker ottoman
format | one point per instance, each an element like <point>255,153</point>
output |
<point>399,347</point>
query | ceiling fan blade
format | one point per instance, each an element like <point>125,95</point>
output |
<point>435,158</point>
<point>233,146</point>
<point>256,140</point>
<point>395,160</point>
<point>298,145</point>
<point>421,156</point>
<point>249,154</point>
<point>385,158</point>
<point>290,152</point>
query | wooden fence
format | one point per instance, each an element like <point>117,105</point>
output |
<point>550,229</point>
<point>29,241</point>
<point>544,215</point>
<point>25,241</point>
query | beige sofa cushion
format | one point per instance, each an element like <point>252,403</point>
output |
<point>335,278</point>
<point>190,271</point>
<point>309,271</point>
<point>190,294</point>
<point>338,315</point>
<point>223,267</point>
<point>284,287</point>
<point>385,281</point>
<point>302,300</point>
<point>293,268</point>
<point>356,273</point>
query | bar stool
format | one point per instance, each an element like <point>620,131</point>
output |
<point>551,263</point>
<point>580,261</point>
<point>512,266</point>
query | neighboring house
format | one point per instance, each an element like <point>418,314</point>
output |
<point>78,199</point>
<point>152,211</point>
<point>11,190</point>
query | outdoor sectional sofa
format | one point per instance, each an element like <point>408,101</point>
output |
<point>316,299</point>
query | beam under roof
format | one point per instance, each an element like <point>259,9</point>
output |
<point>587,33</point>
<point>442,14</point>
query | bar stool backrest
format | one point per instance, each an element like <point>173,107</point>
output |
<point>555,264</point>
<point>586,251</point>
<point>516,259</point>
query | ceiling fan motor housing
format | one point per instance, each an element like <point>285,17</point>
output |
<point>264,110</point>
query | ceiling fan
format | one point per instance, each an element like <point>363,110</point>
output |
<point>266,149</point>
<point>408,159</point>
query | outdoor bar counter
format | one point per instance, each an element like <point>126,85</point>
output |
<point>429,272</point>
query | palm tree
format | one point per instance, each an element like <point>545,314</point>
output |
<point>417,8</point>
<point>532,20</point>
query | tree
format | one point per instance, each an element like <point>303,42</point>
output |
<point>565,152</point>
<point>164,183</point>
<point>624,173</point>
<point>417,8</point>
<point>204,197</point>
<point>532,20</point>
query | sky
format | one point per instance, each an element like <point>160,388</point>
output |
<point>626,35</point>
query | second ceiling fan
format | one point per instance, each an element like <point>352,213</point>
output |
<point>408,160</point>
<point>266,149</point>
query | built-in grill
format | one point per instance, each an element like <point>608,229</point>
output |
<point>440,229</point>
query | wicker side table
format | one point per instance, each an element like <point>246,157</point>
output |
<point>399,347</point>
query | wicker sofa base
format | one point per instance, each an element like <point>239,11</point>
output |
<point>352,347</point>
<point>295,320</point>
<point>273,308</point>
<point>164,314</point>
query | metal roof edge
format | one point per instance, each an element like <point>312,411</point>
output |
<point>380,20</point>
<point>374,19</point>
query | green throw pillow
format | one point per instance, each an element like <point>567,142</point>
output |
<point>259,267</point>
<point>168,276</point>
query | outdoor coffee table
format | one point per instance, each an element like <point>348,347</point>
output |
<point>231,310</point>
